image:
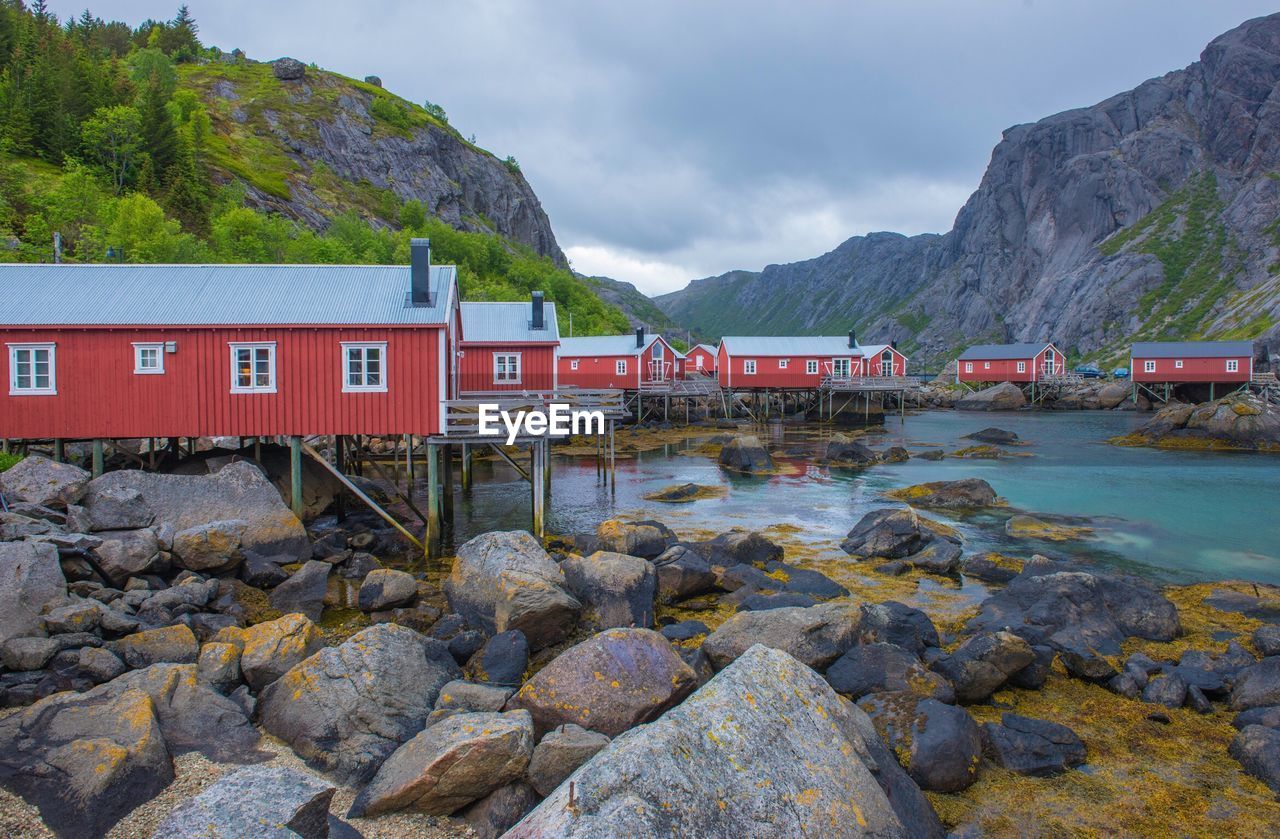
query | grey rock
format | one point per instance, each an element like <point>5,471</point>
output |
<point>28,653</point>
<point>127,553</point>
<point>264,571</point>
<point>609,683</point>
<point>993,435</point>
<point>941,556</point>
<point>964,494</point>
<point>733,745</point>
<point>896,623</point>
<point>1002,397</point>
<point>1258,750</point>
<point>100,665</point>
<point>121,508</point>
<point>270,649</point>
<point>892,533</point>
<point>1266,715</point>
<point>1169,691</point>
<point>450,764</point>
<point>746,454</point>
<point>816,635</point>
<point>502,660</point>
<point>614,589</point>
<point>938,744</point>
<point>842,451</point>
<point>386,588</point>
<point>740,547</point>
<point>273,802</point>
<point>983,663</point>
<point>1257,686</point>
<point>39,480</point>
<point>645,539</point>
<point>780,600</point>
<point>218,665</point>
<point>82,616</point>
<point>1032,747</point>
<point>473,696</point>
<point>684,630</point>
<point>211,548</point>
<point>1267,639</point>
<point>561,751</point>
<point>874,668</point>
<point>288,69</point>
<point>505,580</point>
<point>31,580</point>
<point>304,591</point>
<point>500,810</point>
<point>344,709</point>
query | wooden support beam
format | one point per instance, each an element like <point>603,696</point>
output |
<point>410,475</point>
<point>433,500</point>
<point>295,475</point>
<point>466,467</point>
<point>536,490</point>
<point>447,481</point>
<point>340,462</point>
<point>59,450</point>
<point>520,470</point>
<point>359,493</point>
<point>97,458</point>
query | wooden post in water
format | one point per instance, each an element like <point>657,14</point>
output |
<point>613,456</point>
<point>97,458</point>
<point>546,471</point>
<point>446,452</point>
<point>466,467</point>
<point>536,489</point>
<point>295,474</point>
<point>433,500</point>
<point>59,450</point>
<point>410,475</point>
<point>340,462</point>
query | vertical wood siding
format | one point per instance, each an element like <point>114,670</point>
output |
<point>537,367</point>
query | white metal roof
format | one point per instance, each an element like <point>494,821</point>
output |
<point>215,295</point>
<point>486,322</point>
<point>707,347</point>
<point>1002,352</point>
<point>597,345</point>
<point>1192,349</point>
<point>774,345</point>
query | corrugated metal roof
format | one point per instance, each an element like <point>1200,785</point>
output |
<point>1192,349</point>
<point>604,345</point>
<point>871,350</point>
<point>1003,352</point>
<point>198,295</point>
<point>707,347</point>
<point>507,323</point>
<point>774,345</point>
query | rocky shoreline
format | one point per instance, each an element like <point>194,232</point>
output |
<point>625,679</point>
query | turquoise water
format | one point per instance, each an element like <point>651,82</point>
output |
<point>1175,516</point>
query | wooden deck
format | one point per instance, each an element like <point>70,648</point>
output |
<point>869,384</point>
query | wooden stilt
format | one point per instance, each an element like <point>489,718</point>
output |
<point>433,500</point>
<point>5,446</point>
<point>410,476</point>
<point>257,449</point>
<point>466,467</point>
<point>536,489</point>
<point>340,462</point>
<point>97,458</point>
<point>295,475</point>
<point>613,456</point>
<point>546,471</point>
<point>446,507</point>
<point>359,493</point>
<point>59,450</point>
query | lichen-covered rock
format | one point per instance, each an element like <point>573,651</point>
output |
<point>175,644</point>
<point>746,454</point>
<point>609,683</point>
<point>31,580</point>
<point>273,802</point>
<point>614,589</point>
<point>505,580</point>
<point>271,649</point>
<point>816,635</point>
<point>1005,396</point>
<point>559,753</point>
<point>1032,747</point>
<point>99,665</point>
<point>344,709</point>
<point>386,588</point>
<point>1030,527</point>
<point>77,616</point>
<point>983,663</point>
<point>38,480</point>
<point>219,666</point>
<point>304,591</point>
<point>968,493</point>
<point>1240,421</point>
<point>764,748</point>
<point>646,539</point>
<point>450,764</point>
<point>991,567</point>
<point>210,548</point>
<point>891,533</point>
<point>874,668</point>
<point>938,744</point>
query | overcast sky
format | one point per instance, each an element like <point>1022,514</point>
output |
<point>675,139</point>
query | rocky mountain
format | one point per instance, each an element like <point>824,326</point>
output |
<point>1152,215</point>
<point>638,309</point>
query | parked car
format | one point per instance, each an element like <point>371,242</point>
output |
<point>1089,371</point>
<point>1120,372</point>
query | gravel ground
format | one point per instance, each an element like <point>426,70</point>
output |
<point>19,820</point>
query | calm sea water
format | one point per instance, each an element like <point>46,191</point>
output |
<point>1176,516</point>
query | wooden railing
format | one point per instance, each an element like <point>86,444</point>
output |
<point>869,383</point>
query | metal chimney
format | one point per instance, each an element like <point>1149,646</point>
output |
<point>893,344</point>
<point>639,337</point>
<point>419,272</point>
<point>537,321</point>
<point>853,340</point>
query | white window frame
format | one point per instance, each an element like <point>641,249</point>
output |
<point>986,365</point>
<point>52,389</point>
<point>270,347</point>
<point>1233,365</point>
<point>968,367</point>
<point>1177,365</point>
<point>508,378</point>
<point>620,367</point>
<point>573,364</point>
<point>657,350</point>
<point>784,363</point>
<point>749,367</point>
<point>1022,366</point>
<point>1149,366</point>
<point>811,367</point>
<point>697,360</point>
<point>143,346</point>
<point>364,346</point>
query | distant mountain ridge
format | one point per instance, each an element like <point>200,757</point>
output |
<point>1152,215</point>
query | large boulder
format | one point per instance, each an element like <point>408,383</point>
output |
<point>505,580</point>
<point>892,622</point>
<point>238,491</point>
<point>1003,397</point>
<point>993,435</point>
<point>890,532</point>
<point>746,454</point>
<point>121,508</point>
<point>609,683</point>
<point>878,667</point>
<point>843,451</point>
<point>450,764</point>
<point>1258,750</point>
<point>740,547</point>
<point>386,588</point>
<point>265,801</point>
<point>559,753</point>
<point>502,660</point>
<point>210,548</point>
<point>346,708</point>
<point>500,810</point>
<point>1257,686</point>
<point>1239,421</point>
<point>647,539</point>
<point>983,663</point>
<point>122,554</point>
<point>683,573</point>
<point>1032,747</point>
<point>31,580</point>
<point>765,748</point>
<point>967,493</point>
<point>270,649</point>
<point>614,589</point>
<point>288,69</point>
<point>175,644</point>
<point>304,591</point>
<point>938,744</point>
<point>816,635</point>
<point>39,480</point>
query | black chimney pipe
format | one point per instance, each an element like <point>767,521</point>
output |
<point>639,337</point>
<point>893,344</point>
<point>853,340</point>
<point>419,272</point>
<point>537,320</point>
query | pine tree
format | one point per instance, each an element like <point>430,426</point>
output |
<point>159,137</point>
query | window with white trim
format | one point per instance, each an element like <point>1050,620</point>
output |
<point>1177,364</point>
<point>986,365</point>
<point>364,367</point>
<point>1148,367</point>
<point>620,367</point>
<point>31,370</point>
<point>253,367</point>
<point>749,367</point>
<point>811,367</point>
<point>506,368</point>
<point>968,367</point>
<point>573,365</point>
<point>1022,366</point>
<point>148,358</point>
<point>698,362</point>
<point>783,363</point>
<point>1233,365</point>
<point>657,349</point>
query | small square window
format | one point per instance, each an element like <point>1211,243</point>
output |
<point>573,365</point>
<point>1178,364</point>
<point>811,367</point>
<point>253,368</point>
<point>1022,366</point>
<point>986,365</point>
<point>749,367</point>
<point>31,370</point>
<point>506,368</point>
<point>1233,366</point>
<point>1148,367</point>
<point>364,368</point>
<point>620,367</point>
<point>783,363</point>
<point>148,358</point>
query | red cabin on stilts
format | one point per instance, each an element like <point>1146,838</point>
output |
<point>617,362</point>
<point>1020,363</point>
<point>508,347</point>
<point>802,363</point>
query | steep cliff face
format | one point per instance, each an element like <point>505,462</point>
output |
<point>1150,215</point>
<point>313,147</point>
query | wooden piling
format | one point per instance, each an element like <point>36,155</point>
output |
<point>59,450</point>
<point>446,480</point>
<point>295,475</point>
<point>97,458</point>
<point>536,489</point>
<point>466,467</point>
<point>433,500</point>
<point>409,474</point>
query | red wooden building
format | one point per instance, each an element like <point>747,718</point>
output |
<point>1022,363</point>
<point>701,360</point>
<point>129,351</point>
<point>508,347</point>
<point>801,363</point>
<point>1177,362</point>
<point>617,362</point>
